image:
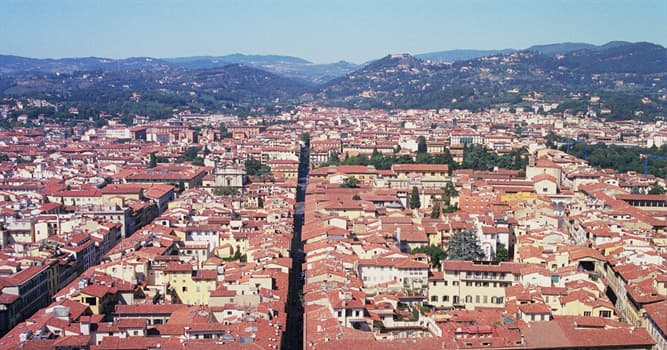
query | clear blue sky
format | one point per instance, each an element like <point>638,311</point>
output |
<point>320,31</point>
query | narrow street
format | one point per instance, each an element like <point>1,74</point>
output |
<point>293,337</point>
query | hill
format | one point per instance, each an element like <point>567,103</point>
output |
<point>629,78</point>
<point>560,48</point>
<point>157,93</point>
<point>13,65</point>
<point>623,73</point>
<point>460,55</point>
<point>288,66</point>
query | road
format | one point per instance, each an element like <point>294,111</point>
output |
<point>293,336</point>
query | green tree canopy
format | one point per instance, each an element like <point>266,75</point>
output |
<point>350,182</point>
<point>422,147</point>
<point>225,191</point>
<point>254,167</point>
<point>502,254</point>
<point>415,202</point>
<point>435,211</point>
<point>190,153</point>
<point>152,162</point>
<point>464,245</point>
<point>437,254</point>
<point>657,189</point>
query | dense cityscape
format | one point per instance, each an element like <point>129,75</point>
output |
<point>159,191</point>
<point>201,230</point>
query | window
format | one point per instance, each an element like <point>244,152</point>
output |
<point>445,298</point>
<point>587,313</point>
<point>185,289</point>
<point>605,313</point>
<point>434,298</point>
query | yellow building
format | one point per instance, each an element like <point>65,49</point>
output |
<point>362,173</point>
<point>190,286</point>
<point>243,293</point>
<point>521,196</point>
<point>421,170</point>
<point>97,297</point>
<point>470,284</point>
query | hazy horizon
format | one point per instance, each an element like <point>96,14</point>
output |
<point>293,56</point>
<point>320,32</point>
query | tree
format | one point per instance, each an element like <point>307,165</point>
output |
<point>237,256</point>
<point>224,133</point>
<point>450,189</point>
<point>254,167</point>
<point>181,186</point>
<point>435,211</point>
<point>415,202</point>
<point>657,189</point>
<point>152,162</point>
<point>190,154</point>
<point>350,182</point>
<point>422,147</point>
<point>502,254</point>
<point>199,161</point>
<point>225,191</point>
<point>465,246</point>
<point>334,159</point>
<point>424,158</point>
<point>437,254</point>
<point>450,208</point>
<point>356,197</point>
<point>444,158</point>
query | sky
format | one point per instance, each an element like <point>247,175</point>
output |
<point>319,31</point>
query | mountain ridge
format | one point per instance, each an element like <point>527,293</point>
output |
<point>630,75</point>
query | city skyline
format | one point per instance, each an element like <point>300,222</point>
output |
<point>319,32</point>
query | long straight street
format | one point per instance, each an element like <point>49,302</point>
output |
<point>293,337</point>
